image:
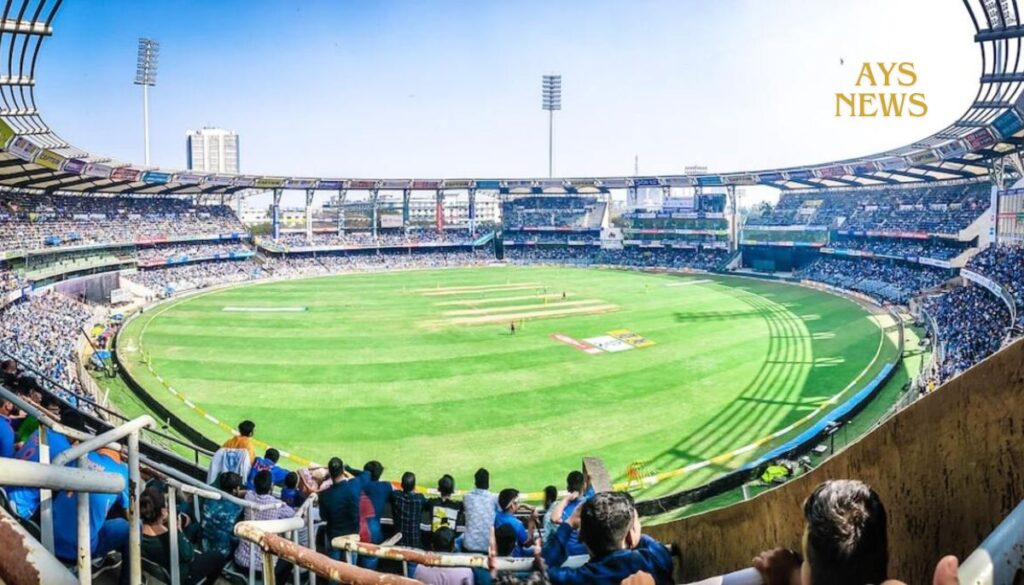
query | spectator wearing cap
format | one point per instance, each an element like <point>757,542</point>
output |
<point>407,510</point>
<point>480,506</point>
<point>243,440</point>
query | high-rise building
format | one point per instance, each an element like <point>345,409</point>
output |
<point>212,150</point>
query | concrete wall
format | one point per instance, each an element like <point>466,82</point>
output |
<point>948,469</point>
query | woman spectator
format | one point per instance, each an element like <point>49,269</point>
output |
<point>194,567</point>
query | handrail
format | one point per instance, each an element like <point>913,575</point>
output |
<point>187,480</point>
<point>24,561</point>
<point>96,405</point>
<point>131,430</point>
<point>350,543</point>
<point>40,475</point>
<point>100,441</point>
<point>997,559</point>
<point>322,565</point>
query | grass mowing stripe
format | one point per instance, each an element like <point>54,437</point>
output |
<point>382,397</point>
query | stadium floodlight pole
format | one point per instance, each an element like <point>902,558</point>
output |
<point>145,75</point>
<point>552,93</point>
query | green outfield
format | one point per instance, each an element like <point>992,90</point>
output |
<point>421,371</point>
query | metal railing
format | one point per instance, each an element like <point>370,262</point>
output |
<point>17,473</point>
<point>112,416</point>
<point>23,560</point>
<point>351,545</point>
<point>998,559</point>
<point>265,535</point>
<point>79,452</point>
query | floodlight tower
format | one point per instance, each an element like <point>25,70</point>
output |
<point>552,94</point>
<point>145,75</point>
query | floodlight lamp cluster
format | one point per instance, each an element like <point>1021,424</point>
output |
<point>552,92</point>
<point>149,57</point>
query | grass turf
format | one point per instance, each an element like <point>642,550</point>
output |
<point>373,369</point>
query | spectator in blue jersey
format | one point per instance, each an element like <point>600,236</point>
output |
<point>290,493</point>
<point>379,492</point>
<point>7,411</point>
<point>480,507</point>
<point>557,550</point>
<point>407,511</point>
<point>268,462</point>
<point>508,505</point>
<point>339,504</point>
<point>25,500</point>
<point>610,529</point>
<point>106,534</point>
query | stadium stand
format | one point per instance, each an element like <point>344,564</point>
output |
<point>972,325</point>
<point>32,222</point>
<point>890,281</point>
<point>920,209</point>
<point>40,332</point>
<point>632,257</point>
<point>901,248</point>
<point>399,238</point>
<point>1005,266</point>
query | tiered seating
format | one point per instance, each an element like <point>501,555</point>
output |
<point>932,210</point>
<point>1005,266</point>
<point>893,282</point>
<point>199,275</point>
<point>32,222</point>
<point>552,212</point>
<point>818,209</point>
<point>926,209</point>
<point>972,325</point>
<point>633,257</point>
<point>934,248</point>
<point>177,252</point>
<point>40,331</point>
<point>418,237</point>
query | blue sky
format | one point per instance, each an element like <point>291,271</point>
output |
<point>452,88</point>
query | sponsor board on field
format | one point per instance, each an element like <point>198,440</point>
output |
<point>627,336</point>
<point>608,343</point>
<point>575,343</point>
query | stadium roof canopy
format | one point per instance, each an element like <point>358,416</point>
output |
<point>35,157</point>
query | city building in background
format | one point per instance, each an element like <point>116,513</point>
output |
<point>212,150</point>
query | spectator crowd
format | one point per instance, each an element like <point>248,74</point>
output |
<point>629,257</point>
<point>944,209</point>
<point>972,324</point>
<point>40,331</point>
<point>888,280</point>
<point>197,250</point>
<point>32,222</point>
<point>1004,265</point>
<point>934,248</point>
<point>384,237</point>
